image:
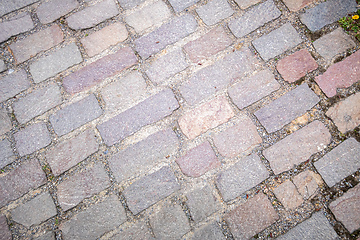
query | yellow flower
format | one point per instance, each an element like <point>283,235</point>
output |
<point>355,17</point>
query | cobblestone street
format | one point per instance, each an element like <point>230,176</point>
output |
<point>179,119</point>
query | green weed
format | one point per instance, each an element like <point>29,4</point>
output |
<point>351,24</point>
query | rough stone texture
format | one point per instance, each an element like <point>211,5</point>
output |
<point>99,70</point>
<point>75,115</point>
<point>252,89</point>
<point>333,43</point>
<point>167,66</point>
<point>14,26</point>
<point>243,4</point>
<point>296,5</point>
<point>326,13</point>
<point>37,42</point>
<point>12,84</point>
<point>147,112</point>
<point>250,20</point>
<point>241,177</point>
<point>32,138</point>
<point>35,211</point>
<point>51,10</point>
<point>196,199</point>
<point>346,209</point>
<point>148,16</point>
<point>214,11</point>
<point>346,114</point>
<point>138,231</point>
<point>143,155</point>
<point>128,4</point>
<point>340,75</point>
<point>296,66</point>
<point>211,231</point>
<point>340,162</point>
<point>217,76</point>
<point>198,160</point>
<point>297,147</point>
<point>98,41</point>
<point>167,34</point>
<point>207,45</point>
<point>288,195</point>
<point>95,220</point>
<point>67,154</point>
<point>317,227</point>
<point>286,108</point>
<point>20,180</point>
<point>55,62</point>
<point>251,217</point>
<point>180,5</point>
<point>4,229</point>
<point>2,66</point>
<point>150,189</point>
<point>239,139</point>
<point>206,116</point>
<point>125,92</point>
<point>8,6</point>
<point>46,236</point>
<point>169,223</point>
<point>37,102</point>
<point>6,154</point>
<point>93,15</point>
<point>82,185</point>
<point>277,41</point>
<point>306,184</point>
<point>5,123</point>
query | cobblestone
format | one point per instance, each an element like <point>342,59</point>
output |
<point>2,66</point>
<point>288,195</point>
<point>14,26</point>
<point>180,5</point>
<point>340,162</point>
<point>215,11</point>
<point>46,236</point>
<point>4,228</point>
<point>138,231</point>
<point>13,84</point>
<point>5,123</point>
<point>306,184</point>
<point>51,10</point>
<point>128,4</point>
<point>11,5</point>
<point>210,231</point>
<point>295,5</point>
<point>6,154</point>
<point>243,4</point>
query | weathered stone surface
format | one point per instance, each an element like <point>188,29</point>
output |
<point>55,62</point>
<point>14,26</point>
<point>296,66</point>
<point>196,199</point>
<point>211,231</point>
<point>139,231</point>
<point>246,3</point>
<point>327,12</point>
<point>165,35</point>
<point>206,116</point>
<point>214,11</point>
<point>6,154</point>
<point>75,115</point>
<point>207,45</point>
<point>167,66</point>
<point>32,138</point>
<point>288,195</point>
<point>316,227</point>
<point>4,229</point>
<point>252,89</point>
<point>149,111</point>
<point>333,43</point>
<point>95,220</point>
<point>250,20</point>
<point>98,41</point>
<point>277,41</point>
<point>148,16</point>
<point>244,175</point>
<point>37,102</point>
<point>297,147</point>
<point>35,211</point>
<point>346,114</point>
<point>99,70</point>
<point>251,217</point>
<point>306,184</point>
<point>82,185</point>
<point>12,84</point>
<point>296,5</point>
<point>20,180</point>
<point>340,75</point>
<point>170,223</point>
<point>150,189</point>
<point>346,209</point>
<point>37,42</point>
<point>239,139</point>
<point>340,162</point>
<point>286,108</point>
<point>218,76</point>
<point>51,10</point>
<point>5,123</point>
<point>67,154</point>
<point>46,236</point>
<point>144,154</point>
<point>93,15</point>
<point>8,6</point>
<point>127,4</point>
<point>198,160</point>
<point>180,5</point>
<point>2,66</point>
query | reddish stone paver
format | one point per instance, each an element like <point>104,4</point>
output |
<point>306,183</point>
<point>296,5</point>
<point>288,195</point>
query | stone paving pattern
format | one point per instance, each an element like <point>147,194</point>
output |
<point>178,119</point>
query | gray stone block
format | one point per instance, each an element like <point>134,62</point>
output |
<point>14,26</point>
<point>128,4</point>
<point>180,5</point>
<point>6,154</point>
<point>211,231</point>
<point>51,10</point>
<point>4,229</point>
<point>5,123</point>
<point>8,6</point>
<point>214,11</point>
<point>2,66</point>
<point>12,84</point>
